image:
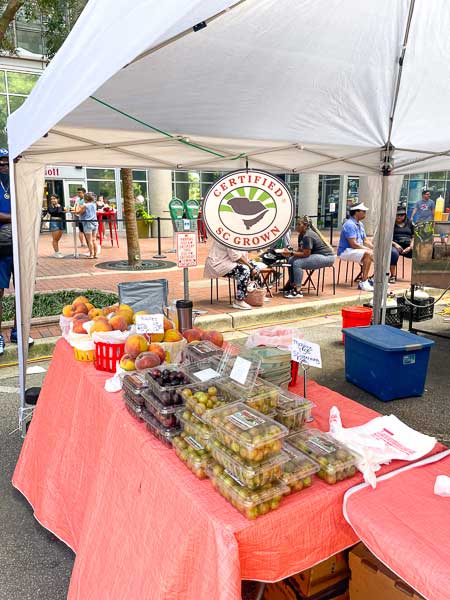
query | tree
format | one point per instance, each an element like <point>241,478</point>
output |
<point>129,213</point>
<point>57,18</point>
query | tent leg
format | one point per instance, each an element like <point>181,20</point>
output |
<point>382,258</point>
<point>18,299</point>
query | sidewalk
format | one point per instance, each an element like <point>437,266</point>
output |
<point>82,274</point>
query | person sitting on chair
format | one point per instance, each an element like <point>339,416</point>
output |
<point>354,245</point>
<point>227,262</point>
<point>313,252</point>
<point>402,241</point>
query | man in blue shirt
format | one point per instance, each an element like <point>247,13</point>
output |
<point>6,260</point>
<point>354,246</point>
<point>424,208</point>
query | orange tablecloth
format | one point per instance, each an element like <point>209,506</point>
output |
<point>141,524</point>
<point>411,531</point>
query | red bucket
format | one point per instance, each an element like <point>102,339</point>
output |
<point>356,316</point>
<point>107,356</point>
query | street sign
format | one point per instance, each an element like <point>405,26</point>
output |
<point>186,249</point>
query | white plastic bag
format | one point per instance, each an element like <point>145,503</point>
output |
<point>274,337</point>
<point>110,337</point>
<point>379,441</point>
<point>114,383</point>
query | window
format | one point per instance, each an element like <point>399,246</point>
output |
<point>193,185</point>
<point>15,86</point>
<point>100,174</point>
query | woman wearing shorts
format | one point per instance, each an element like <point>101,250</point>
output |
<point>88,216</point>
<point>57,217</point>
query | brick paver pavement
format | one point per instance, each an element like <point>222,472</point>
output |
<point>69,273</point>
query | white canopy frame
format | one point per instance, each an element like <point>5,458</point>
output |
<point>358,109</point>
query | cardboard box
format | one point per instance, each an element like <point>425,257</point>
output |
<point>370,579</point>
<point>283,590</point>
<point>322,576</point>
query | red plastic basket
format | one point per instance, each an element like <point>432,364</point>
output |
<point>107,356</point>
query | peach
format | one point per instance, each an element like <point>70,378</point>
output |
<point>159,350</point>
<point>192,335</point>
<point>126,314</point>
<point>125,307</point>
<point>127,363</point>
<point>147,360</point>
<point>78,325</point>
<point>213,336</point>
<point>94,312</point>
<point>80,308</point>
<point>135,344</point>
<point>81,299</point>
<point>82,316</point>
<point>156,337</point>
<point>168,324</point>
<point>109,309</point>
<point>117,322</point>
<point>67,311</point>
<point>139,312</point>
<point>89,306</point>
<point>100,325</point>
<point>172,335</point>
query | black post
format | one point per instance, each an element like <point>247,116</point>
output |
<point>159,255</point>
<point>331,229</point>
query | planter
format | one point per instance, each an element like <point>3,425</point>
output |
<point>143,230</point>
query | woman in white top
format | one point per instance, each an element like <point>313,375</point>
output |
<point>227,262</point>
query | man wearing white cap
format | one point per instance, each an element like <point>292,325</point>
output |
<point>354,245</point>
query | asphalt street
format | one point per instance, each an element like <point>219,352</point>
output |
<point>35,565</point>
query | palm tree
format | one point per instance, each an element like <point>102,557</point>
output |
<point>134,251</point>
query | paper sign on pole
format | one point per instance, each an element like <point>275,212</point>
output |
<point>187,249</point>
<point>332,207</point>
<point>150,323</point>
<point>306,353</point>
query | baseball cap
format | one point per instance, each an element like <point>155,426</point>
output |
<point>401,210</point>
<point>4,152</point>
<point>360,206</point>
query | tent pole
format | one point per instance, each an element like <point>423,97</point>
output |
<point>18,299</point>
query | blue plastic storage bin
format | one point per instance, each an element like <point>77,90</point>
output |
<point>386,362</point>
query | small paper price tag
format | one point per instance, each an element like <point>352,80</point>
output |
<point>150,323</point>
<point>206,374</point>
<point>240,370</point>
<point>306,353</point>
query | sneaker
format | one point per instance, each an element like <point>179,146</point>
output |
<point>13,338</point>
<point>241,304</point>
<point>393,279</point>
<point>365,286</point>
<point>58,255</point>
<point>2,344</point>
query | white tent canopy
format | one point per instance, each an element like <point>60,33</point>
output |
<point>285,85</point>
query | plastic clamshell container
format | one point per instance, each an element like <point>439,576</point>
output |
<point>293,411</point>
<point>336,461</point>
<point>298,471</point>
<point>204,370</point>
<point>167,394</point>
<point>250,475</point>
<point>388,351</point>
<point>193,453</point>
<point>251,503</point>
<point>250,434</point>
<point>134,409</point>
<point>197,352</point>
<point>262,396</point>
<point>200,398</point>
<point>163,434</point>
<point>194,426</point>
<point>166,415</point>
<point>134,383</point>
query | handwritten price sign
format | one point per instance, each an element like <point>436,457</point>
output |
<point>306,353</point>
<point>150,323</point>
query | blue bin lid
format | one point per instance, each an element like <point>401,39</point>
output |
<point>388,338</point>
